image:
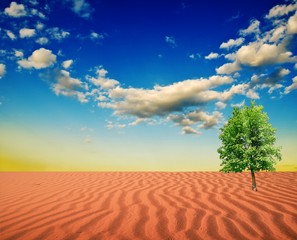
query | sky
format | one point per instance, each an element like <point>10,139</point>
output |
<point>133,85</point>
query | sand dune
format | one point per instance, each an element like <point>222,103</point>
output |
<point>146,205</point>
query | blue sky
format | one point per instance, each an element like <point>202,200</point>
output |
<point>140,85</point>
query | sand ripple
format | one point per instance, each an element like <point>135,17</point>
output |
<point>147,205</point>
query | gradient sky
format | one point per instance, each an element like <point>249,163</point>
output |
<point>140,85</point>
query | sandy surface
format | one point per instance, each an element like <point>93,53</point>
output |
<point>143,205</point>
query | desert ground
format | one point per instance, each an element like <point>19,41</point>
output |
<point>147,205</point>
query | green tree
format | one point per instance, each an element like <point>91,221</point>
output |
<point>248,142</point>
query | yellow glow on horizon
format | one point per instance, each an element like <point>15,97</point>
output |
<point>27,150</point>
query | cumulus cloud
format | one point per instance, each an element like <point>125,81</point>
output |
<point>270,80</point>
<point>220,105</point>
<point>268,48</point>
<point>228,68</point>
<point>212,55</point>
<point>292,24</point>
<point>258,54</point>
<point>171,41</point>
<point>82,8</point>
<point>27,32</point>
<point>190,130</point>
<point>208,121</point>
<point>232,43</point>
<point>2,70</point>
<point>292,86</point>
<point>277,34</point>
<point>68,86</point>
<point>18,54</point>
<point>57,34</point>
<point>159,101</point>
<point>230,56</point>
<point>252,94</point>
<point>15,10</point>
<point>66,64</point>
<point>235,89</point>
<point>205,120</point>
<point>11,35</point>
<point>281,10</point>
<point>40,58</point>
<point>253,28</point>
<point>101,80</point>
<point>42,40</point>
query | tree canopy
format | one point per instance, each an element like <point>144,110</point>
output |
<point>248,141</point>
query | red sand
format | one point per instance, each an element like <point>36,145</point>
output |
<point>146,205</point>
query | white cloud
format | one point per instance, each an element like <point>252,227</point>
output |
<point>66,64</point>
<point>39,26</point>
<point>272,88</point>
<point>257,54</point>
<point>102,81</point>
<point>27,32</point>
<point>190,130</point>
<point>2,70</point>
<point>68,86</point>
<point>228,68</point>
<point>160,101</point>
<point>220,105</point>
<point>281,10</point>
<point>67,82</point>
<point>212,55</point>
<point>181,119</point>
<point>270,81</point>
<point>292,24</point>
<point>96,36</point>
<point>40,58</point>
<point>239,105</point>
<point>295,66</point>
<point>278,34</point>
<point>35,12</point>
<point>82,8</point>
<point>292,86</point>
<point>252,94</point>
<point>58,34</point>
<point>42,41</point>
<point>235,89</point>
<point>206,121</point>
<point>231,56</point>
<point>11,35</point>
<point>253,28</point>
<point>137,122</point>
<point>171,41</point>
<point>18,54</point>
<point>232,43</point>
<point>15,10</point>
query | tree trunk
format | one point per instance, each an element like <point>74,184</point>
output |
<point>254,186</point>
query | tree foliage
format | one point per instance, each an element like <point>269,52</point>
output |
<point>248,141</point>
